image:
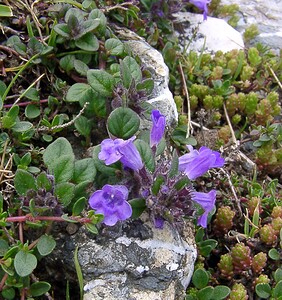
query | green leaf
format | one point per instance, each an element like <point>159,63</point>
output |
<point>101,82</point>
<point>59,147</point>
<point>147,85</point>
<point>78,206</point>
<point>263,290</point>
<point>92,228</point>
<point>138,206</point>
<point>43,182</point>
<point>67,63</point>
<point>174,164</point>
<point>146,154</point>
<point>8,293</point>
<point>205,293</point>
<point>200,278</point>
<point>24,181</point>
<point>89,26</point>
<point>5,11</point>
<point>80,92</point>
<point>65,191</point>
<point>83,126</point>
<point>200,235</point>
<point>81,188</point>
<point>4,247</point>
<point>278,275</point>
<point>62,168</point>
<point>98,14</point>
<point>22,126</point>
<point>134,68</point>
<point>157,184</point>
<point>114,46</point>
<point>205,247</point>
<point>39,288</point>
<point>123,122</point>
<point>63,30</point>
<point>274,254</point>
<point>24,263</point>
<point>125,74</point>
<point>84,170</point>
<point>220,292</point>
<point>78,273</point>
<point>46,244</point>
<point>277,291</point>
<point>32,94</point>
<point>80,67</point>
<point>32,111</point>
<point>88,42</point>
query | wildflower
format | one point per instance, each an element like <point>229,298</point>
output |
<point>158,128</point>
<point>202,5</point>
<point>207,201</point>
<point>159,222</point>
<point>123,150</point>
<point>196,163</point>
<point>111,202</point>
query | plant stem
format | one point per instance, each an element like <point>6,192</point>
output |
<point>30,218</point>
<point>17,75</point>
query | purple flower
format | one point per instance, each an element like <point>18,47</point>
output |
<point>159,222</point>
<point>196,163</point>
<point>202,5</point>
<point>207,201</point>
<point>111,202</point>
<point>158,127</point>
<point>123,150</point>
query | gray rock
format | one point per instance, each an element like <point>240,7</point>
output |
<point>210,35</point>
<point>130,261</point>
<point>266,15</point>
<point>137,261</point>
<point>152,59</point>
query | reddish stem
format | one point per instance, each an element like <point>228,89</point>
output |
<point>26,103</point>
<point>2,283</point>
<point>45,218</point>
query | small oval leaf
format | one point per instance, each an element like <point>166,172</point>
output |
<point>24,263</point>
<point>123,122</point>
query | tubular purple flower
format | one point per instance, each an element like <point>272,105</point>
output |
<point>158,127</point>
<point>123,150</point>
<point>207,201</point>
<point>196,163</point>
<point>111,202</point>
<point>202,5</point>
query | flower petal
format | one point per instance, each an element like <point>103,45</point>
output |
<point>158,127</point>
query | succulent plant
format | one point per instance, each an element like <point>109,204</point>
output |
<point>259,262</point>
<point>261,279</point>
<point>225,266</point>
<point>238,292</point>
<point>268,235</point>
<point>223,221</point>
<point>276,212</point>
<point>241,255</point>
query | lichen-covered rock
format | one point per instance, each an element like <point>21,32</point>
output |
<point>137,261</point>
<point>211,35</point>
<point>266,15</point>
<point>152,59</point>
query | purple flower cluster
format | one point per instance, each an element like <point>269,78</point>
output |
<point>123,150</point>
<point>196,163</point>
<point>111,200</point>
